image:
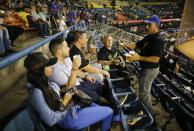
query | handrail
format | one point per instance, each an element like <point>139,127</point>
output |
<point>18,55</point>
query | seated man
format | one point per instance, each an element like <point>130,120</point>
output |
<point>35,22</point>
<point>66,73</point>
<point>107,57</point>
<point>5,43</point>
<point>80,42</point>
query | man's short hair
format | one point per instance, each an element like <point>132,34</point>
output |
<point>70,38</point>
<point>55,45</point>
<point>106,37</point>
<point>78,34</point>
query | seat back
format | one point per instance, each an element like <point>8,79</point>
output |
<point>21,122</point>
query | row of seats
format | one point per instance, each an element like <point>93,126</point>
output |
<point>175,100</point>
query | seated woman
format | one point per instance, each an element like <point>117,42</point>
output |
<point>53,108</point>
<point>107,57</point>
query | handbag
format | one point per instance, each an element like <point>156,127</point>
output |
<point>82,99</point>
<point>79,98</point>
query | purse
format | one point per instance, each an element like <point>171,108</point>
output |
<point>79,98</point>
<point>82,99</point>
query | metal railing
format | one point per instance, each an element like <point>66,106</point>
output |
<point>18,55</point>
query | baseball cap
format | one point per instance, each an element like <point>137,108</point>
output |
<point>36,60</point>
<point>153,19</point>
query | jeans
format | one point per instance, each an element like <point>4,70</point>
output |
<point>14,32</point>
<point>94,90</point>
<point>145,84</point>
<point>88,116</point>
<point>4,40</point>
<point>43,26</point>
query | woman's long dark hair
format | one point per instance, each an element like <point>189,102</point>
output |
<point>39,80</point>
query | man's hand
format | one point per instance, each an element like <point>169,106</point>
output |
<point>134,57</point>
<point>88,55</point>
<point>91,79</point>
<point>76,62</point>
<point>116,62</point>
<point>105,73</point>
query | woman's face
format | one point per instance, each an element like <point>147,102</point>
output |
<point>48,71</point>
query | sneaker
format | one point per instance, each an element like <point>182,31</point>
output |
<point>133,121</point>
<point>122,99</point>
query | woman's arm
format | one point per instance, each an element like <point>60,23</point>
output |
<point>49,116</point>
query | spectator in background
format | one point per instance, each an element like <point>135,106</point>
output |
<point>71,18</point>
<point>54,8</point>
<point>60,6</point>
<point>62,26</point>
<point>24,15</point>
<point>36,22</point>
<point>61,23</point>
<point>15,25</point>
<point>19,6</point>
<point>84,17</point>
<point>43,16</point>
<point>5,43</point>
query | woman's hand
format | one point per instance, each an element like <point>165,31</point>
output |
<point>67,97</point>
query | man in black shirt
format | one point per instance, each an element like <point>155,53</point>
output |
<point>80,42</point>
<point>106,56</point>
<point>151,49</point>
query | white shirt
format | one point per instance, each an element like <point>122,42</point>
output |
<point>62,25</point>
<point>61,72</point>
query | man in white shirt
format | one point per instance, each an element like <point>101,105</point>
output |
<point>67,73</point>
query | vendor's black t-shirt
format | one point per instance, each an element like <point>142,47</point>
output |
<point>76,51</point>
<point>151,45</point>
<point>106,54</point>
